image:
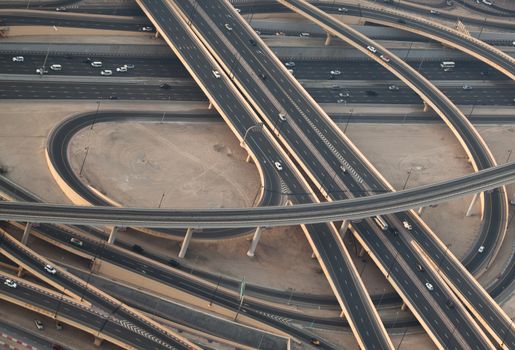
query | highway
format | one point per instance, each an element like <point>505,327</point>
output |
<point>156,335</point>
<point>324,239</point>
<point>470,292</point>
<point>186,91</point>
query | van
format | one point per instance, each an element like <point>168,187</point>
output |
<point>96,64</point>
<point>137,248</point>
<point>282,117</point>
<point>447,65</point>
<point>56,67</point>
<point>383,225</point>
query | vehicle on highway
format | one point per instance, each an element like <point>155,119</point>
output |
<point>280,33</point>
<point>434,12</point>
<point>481,249</point>
<point>407,225</point>
<point>10,283</point>
<point>237,10</point>
<point>129,66</point>
<point>342,10</point>
<point>466,87</point>
<point>336,72</point>
<point>137,248</point>
<point>383,225</point>
<point>420,268</point>
<point>147,29</point>
<point>282,117</point>
<point>50,269</point>
<point>371,93</point>
<point>96,64</point>
<point>304,35</point>
<point>290,64</point>
<point>174,263</point>
<point>291,71</point>
<point>56,67</point>
<point>106,72</point>
<point>41,71</point>
<point>278,166</point>
<point>340,100</point>
<point>60,9</point>
<point>487,2</point>
<point>385,58</point>
<point>344,94</point>
<point>393,88</point>
<point>58,325</point>
<point>113,97</point>
<point>216,74</point>
<point>429,286</point>
<point>262,76</point>
<point>371,49</point>
<point>449,304</point>
<point>228,27</point>
<point>315,341</point>
<point>39,324</point>
<point>165,86</point>
<point>76,242</point>
<point>121,69</point>
<point>344,169</point>
<point>252,42</point>
<point>447,65</point>
<point>18,59</point>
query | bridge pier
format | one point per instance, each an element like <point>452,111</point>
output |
<point>210,105</point>
<point>419,211</point>
<point>249,158</point>
<point>26,233</point>
<point>513,199</point>
<point>344,227</point>
<point>313,255</point>
<point>20,272</point>
<point>112,235</point>
<point>98,341</point>
<point>156,35</point>
<point>403,307</point>
<point>361,252</point>
<point>328,39</point>
<point>186,243</point>
<point>471,206</point>
<point>255,241</point>
<point>426,107</point>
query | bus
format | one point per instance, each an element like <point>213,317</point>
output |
<point>447,65</point>
<point>383,225</point>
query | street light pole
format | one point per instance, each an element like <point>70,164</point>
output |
<point>243,142</point>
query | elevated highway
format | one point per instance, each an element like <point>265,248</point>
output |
<point>470,292</point>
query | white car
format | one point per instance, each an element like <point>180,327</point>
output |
<point>147,29</point>
<point>10,283</point>
<point>304,35</point>
<point>216,74</point>
<point>237,10</point>
<point>385,58</point>
<point>50,269</point>
<point>342,9</point>
<point>128,66</point>
<point>18,59</point>
<point>106,72</point>
<point>96,64</point>
<point>228,27</point>
<point>371,49</point>
<point>407,225</point>
<point>344,94</point>
<point>121,69</point>
<point>278,166</point>
<point>282,117</point>
<point>335,72</point>
<point>290,64</point>
<point>41,71</point>
<point>481,249</point>
<point>56,67</point>
<point>429,286</point>
<point>487,2</point>
<point>393,88</point>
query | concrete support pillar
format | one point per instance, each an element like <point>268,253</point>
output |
<point>255,241</point>
<point>21,271</point>
<point>313,255</point>
<point>361,252</point>
<point>249,158</point>
<point>419,211</point>
<point>156,35</point>
<point>344,227</point>
<point>513,199</point>
<point>426,107</point>
<point>342,314</point>
<point>186,243</point>
<point>471,206</point>
<point>112,235</point>
<point>210,105</point>
<point>403,306</point>
<point>98,341</point>
<point>26,233</point>
<point>328,39</point>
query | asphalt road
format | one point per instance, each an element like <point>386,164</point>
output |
<point>304,69</point>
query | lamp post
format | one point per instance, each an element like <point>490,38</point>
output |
<point>243,142</point>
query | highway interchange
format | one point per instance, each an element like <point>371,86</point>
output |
<point>258,89</point>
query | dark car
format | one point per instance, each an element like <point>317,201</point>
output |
<point>137,248</point>
<point>165,86</point>
<point>262,76</point>
<point>57,347</point>
<point>87,60</point>
<point>112,97</point>
<point>371,93</point>
<point>174,263</point>
<point>252,42</point>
